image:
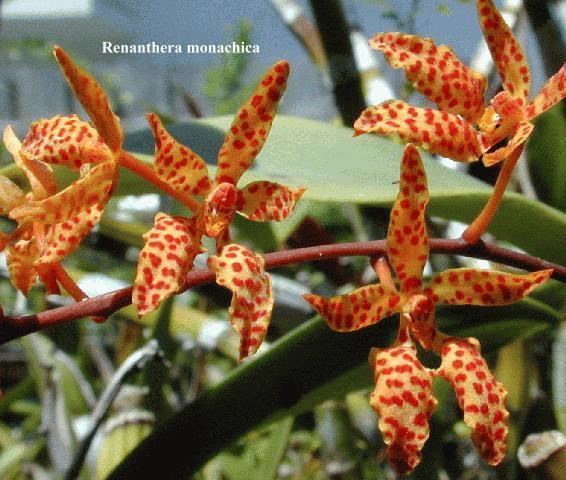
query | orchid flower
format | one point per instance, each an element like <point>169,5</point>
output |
<point>403,396</point>
<point>54,223</point>
<point>66,140</point>
<point>173,243</point>
<point>463,128</point>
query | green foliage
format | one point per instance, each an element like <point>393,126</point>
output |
<point>224,86</point>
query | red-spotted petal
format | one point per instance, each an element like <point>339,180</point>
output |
<point>63,140</point>
<point>20,258</point>
<point>170,249</point>
<point>480,396</point>
<point>436,72</point>
<point>360,308</point>
<point>554,91</point>
<point>251,125</point>
<point>91,189</point>
<point>468,286</point>
<point>404,402</point>
<point>93,99</point>
<point>505,50</point>
<point>421,317</point>
<point>219,208</point>
<point>242,272</point>
<point>64,238</point>
<point>267,201</point>
<point>176,164</point>
<point>522,133</point>
<point>40,176</point>
<point>407,238</point>
<point>438,132</point>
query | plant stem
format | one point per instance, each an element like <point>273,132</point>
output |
<point>108,303</point>
<point>130,162</point>
<point>479,226</point>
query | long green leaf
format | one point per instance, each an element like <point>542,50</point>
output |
<point>295,375</point>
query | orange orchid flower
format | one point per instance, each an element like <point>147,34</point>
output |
<point>463,128</point>
<point>403,395</point>
<point>173,243</point>
<point>52,224</point>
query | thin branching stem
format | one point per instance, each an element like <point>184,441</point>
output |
<point>103,305</point>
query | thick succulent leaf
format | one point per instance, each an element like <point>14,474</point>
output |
<point>438,132</point>
<point>404,402</point>
<point>358,309</point>
<point>219,208</point>
<point>436,72</point>
<point>469,286</point>
<point>243,273</point>
<point>267,201</point>
<point>64,140</point>
<point>251,125</point>
<point>91,189</point>
<point>10,195</point>
<point>20,258</point>
<point>479,395</point>
<point>522,133</point>
<point>505,50</point>
<point>553,92</point>
<point>407,238</point>
<point>40,176</point>
<point>64,238</point>
<point>337,365</point>
<point>170,249</point>
<point>93,99</point>
<point>176,164</point>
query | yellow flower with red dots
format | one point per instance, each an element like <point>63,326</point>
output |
<point>403,396</point>
<point>173,243</point>
<point>463,128</point>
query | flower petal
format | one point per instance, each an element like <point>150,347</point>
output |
<point>404,402</point>
<point>64,140</point>
<point>93,99</point>
<point>522,133</point>
<point>479,395</point>
<point>267,201</point>
<point>421,315</point>
<point>170,249</point>
<point>242,272</point>
<point>251,125</point>
<point>407,238</point>
<point>360,308</point>
<point>40,176</point>
<point>436,72</point>
<point>505,50</point>
<point>468,286</point>
<point>176,164</point>
<point>10,195</point>
<point>554,91</point>
<point>438,132</point>
<point>20,258</point>
<point>63,238</point>
<point>91,189</point>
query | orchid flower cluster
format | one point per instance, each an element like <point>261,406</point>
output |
<point>51,223</point>
<point>463,129</point>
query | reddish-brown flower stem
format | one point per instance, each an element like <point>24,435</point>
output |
<point>140,168</point>
<point>108,303</point>
<point>479,226</point>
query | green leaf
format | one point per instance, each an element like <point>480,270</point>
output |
<point>289,379</point>
<point>338,168</point>
<point>547,157</point>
